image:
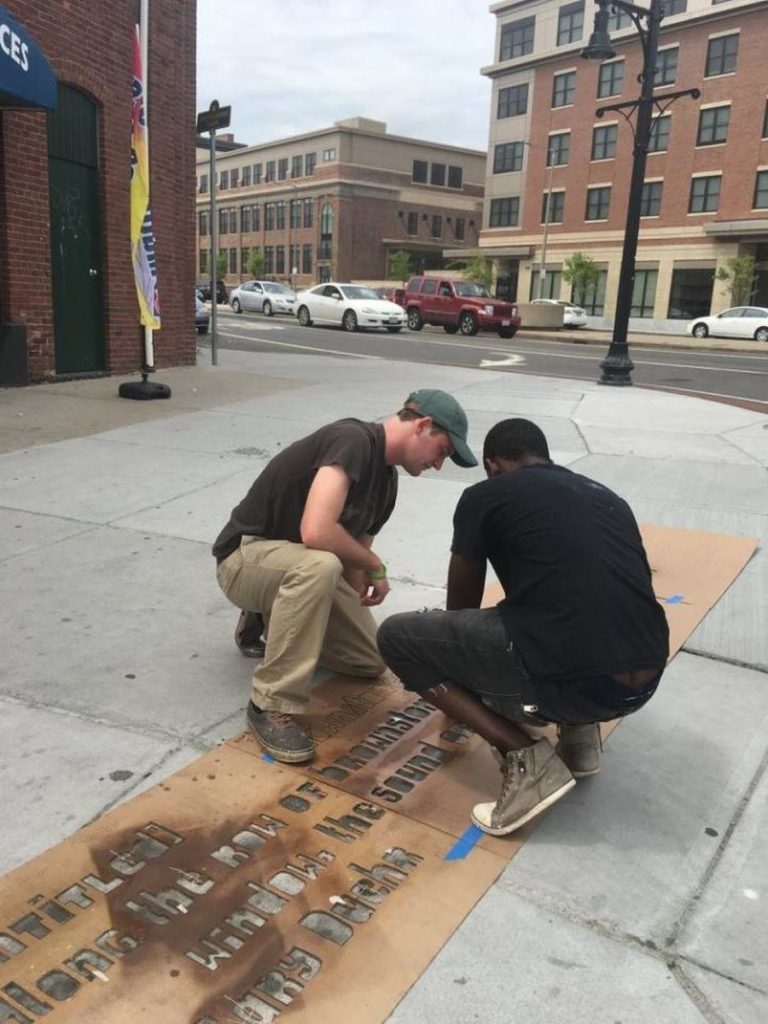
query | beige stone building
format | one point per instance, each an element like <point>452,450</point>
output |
<point>333,204</point>
<point>558,176</point>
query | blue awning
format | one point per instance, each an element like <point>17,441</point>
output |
<point>26,78</point>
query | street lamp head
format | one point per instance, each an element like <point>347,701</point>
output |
<point>599,46</point>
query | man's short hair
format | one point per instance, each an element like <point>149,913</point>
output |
<point>514,439</point>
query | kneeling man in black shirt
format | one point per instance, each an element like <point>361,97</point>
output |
<point>578,638</point>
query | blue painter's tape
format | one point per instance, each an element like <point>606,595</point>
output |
<point>675,599</point>
<point>268,758</point>
<point>464,845</point>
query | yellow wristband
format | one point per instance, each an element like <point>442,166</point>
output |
<point>380,574</point>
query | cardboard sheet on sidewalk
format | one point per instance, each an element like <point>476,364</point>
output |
<point>235,891</point>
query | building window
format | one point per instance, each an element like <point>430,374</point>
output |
<point>306,258</point>
<point>245,259</point>
<point>437,174</point>
<point>309,164</point>
<point>765,121</point>
<point>255,218</point>
<point>245,219</point>
<point>516,39</point>
<point>203,183</point>
<point>458,229</point>
<point>604,142</point>
<point>257,174</point>
<point>280,215</point>
<point>234,176</point>
<point>309,213</point>
<point>658,141</point>
<point>508,157</point>
<point>295,213</point>
<point>592,297</point>
<point>713,126</point>
<point>691,294</point>
<point>558,149</point>
<point>269,216</point>
<point>556,211</point>
<point>280,259</point>
<point>202,222</point>
<point>598,203</point>
<point>326,221</point>
<point>246,176</point>
<point>203,261</point>
<point>610,78</point>
<point>644,293</point>
<point>512,101</point>
<point>650,200</point>
<point>412,223</point>
<point>297,166</point>
<point>294,259</point>
<point>224,179</point>
<point>505,212</point>
<point>282,168</point>
<point>269,173</point>
<point>705,194</point>
<point>437,226</point>
<point>721,55</point>
<point>329,155</point>
<point>563,89</point>
<point>618,19</point>
<point>269,259</point>
<point>666,66</point>
<point>570,23</point>
<point>419,173</point>
<point>675,7</point>
<point>233,261</point>
<point>761,191</point>
<point>549,288</point>
<point>455,177</point>
<point>223,222</point>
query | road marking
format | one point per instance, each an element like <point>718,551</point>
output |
<point>304,348</point>
<point>255,325</point>
<point>511,360</point>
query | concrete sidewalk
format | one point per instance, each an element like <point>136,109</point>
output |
<point>640,898</point>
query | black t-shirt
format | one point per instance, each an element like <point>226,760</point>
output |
<point>274,505</point>
<point>568,553</point>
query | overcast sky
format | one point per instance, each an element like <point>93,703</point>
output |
<point>290,66</point>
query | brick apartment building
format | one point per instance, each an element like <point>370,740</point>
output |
<point>67,297</point>
<point>557,172</point>
<point>333,204</point>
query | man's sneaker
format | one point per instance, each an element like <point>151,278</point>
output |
<point>532,779</point>
<point>280,735</point>
<point>249,635</point>
<point>579,747</point>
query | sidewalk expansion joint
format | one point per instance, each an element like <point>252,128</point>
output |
<point>105,808</point>
<point>723,659</point>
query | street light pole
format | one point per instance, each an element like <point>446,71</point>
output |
<point>547,211</point>
<point>617,365</point>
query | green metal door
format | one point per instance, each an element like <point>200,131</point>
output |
<point>78,301</point>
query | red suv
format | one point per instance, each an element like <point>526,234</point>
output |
<point>457,305</point>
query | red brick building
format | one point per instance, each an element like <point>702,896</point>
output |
<point>558,176</point>
<point>68,302</point>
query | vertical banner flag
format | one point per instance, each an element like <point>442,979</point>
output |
<point>142,235</point>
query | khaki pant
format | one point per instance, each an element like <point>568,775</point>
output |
<point>312,616</point>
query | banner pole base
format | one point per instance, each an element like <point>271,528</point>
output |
<point>144,390</point>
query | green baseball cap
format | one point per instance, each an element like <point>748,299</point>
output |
<point>448,415</point>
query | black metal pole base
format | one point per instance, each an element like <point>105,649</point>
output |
<point>617,368</point>
<point>143,390</point>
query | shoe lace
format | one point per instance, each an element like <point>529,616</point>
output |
<point>514,765</point>
<point>280,718</point>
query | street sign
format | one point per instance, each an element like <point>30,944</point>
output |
<point>214,118</point>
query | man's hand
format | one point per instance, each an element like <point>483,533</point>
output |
<point>376,591</point>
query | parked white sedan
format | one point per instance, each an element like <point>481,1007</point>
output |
<point>739,322</point>
<point>267,297</point>
<point>351,305</point>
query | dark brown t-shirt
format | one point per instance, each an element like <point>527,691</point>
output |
<point>274,505</point>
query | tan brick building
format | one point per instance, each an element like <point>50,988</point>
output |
<point>333,204</point>
<point>557,171</point>
<point>67,296</point>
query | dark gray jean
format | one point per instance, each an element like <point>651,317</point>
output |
<point>471,648</point>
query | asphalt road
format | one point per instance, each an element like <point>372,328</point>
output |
<point>730,375</point>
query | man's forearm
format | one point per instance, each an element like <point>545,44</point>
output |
<point>353,553</point>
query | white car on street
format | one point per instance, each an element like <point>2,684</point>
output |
<point>352,306</point>
<point>267,297</point>
<point>739,322</point>
<point>573,316</point>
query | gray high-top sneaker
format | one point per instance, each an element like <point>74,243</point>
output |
<point>579,747</point>
<point>532,779</point>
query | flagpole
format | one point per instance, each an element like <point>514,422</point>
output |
<point>149,347</point>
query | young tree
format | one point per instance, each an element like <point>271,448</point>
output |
<point>399,266</point>
<point>256,263</point>
<point>478,268</point>
<point>221,266</point>
<point>739,275</point>
<point>582,273</point>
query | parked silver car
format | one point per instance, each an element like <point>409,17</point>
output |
<point>267,297</point>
